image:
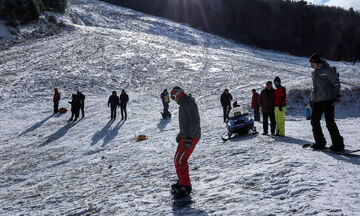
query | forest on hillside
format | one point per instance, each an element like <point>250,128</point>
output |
<point>297,27</point>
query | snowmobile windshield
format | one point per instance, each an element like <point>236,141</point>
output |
<point>238,111</point>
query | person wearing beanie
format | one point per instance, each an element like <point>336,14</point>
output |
<point>56,100</point>
<point>188,137</point>
<point>266,102</point>
<point>280,107</point>
<point>255,105</point>
<point>225,100</point>
<point>324,96</point>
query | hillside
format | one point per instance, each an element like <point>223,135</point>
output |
<point>50,166</point>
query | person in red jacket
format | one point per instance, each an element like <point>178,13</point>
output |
<point>280,107</point>
<point>56,100</point>
<point>255,105</point>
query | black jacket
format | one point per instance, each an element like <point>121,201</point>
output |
<point>226,99</point>
<point>81,98</point>
<point>124,98</point>
<point>114,101</point>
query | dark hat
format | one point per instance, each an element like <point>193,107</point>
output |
<point>268,83</point>
<point>277,79</point>
<point>315,58</point>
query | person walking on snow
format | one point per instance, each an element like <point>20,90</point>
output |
<point>255,105</point>
<point>165,100</point>
<point>266,102</point>
<point>188,137</point>
<point>124,99</point>
<point>280,107</point>
<point>113,102</point>
<point>225,100</point>
<point>56,100</point>
<point>82,102</point>
<point>324,96</point>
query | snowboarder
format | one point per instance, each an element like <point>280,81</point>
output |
<point>114,101</point>
<point>324,96</point>
<point>188,137</point>
<point>56,100</point>
<point>266,102</point>
<point>75,107</point>
<point>280,107</point>
<point>225,100</point>
<point>165,100</point>
<point>124,98</point>
<point>82,102</point>
<point>255,105</point>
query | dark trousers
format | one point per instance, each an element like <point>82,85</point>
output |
<point>326,107</point>
<point>256,113</point>
<point>123,111</point>
<point>82,110</point>
<point>74,113</point>
<point>113,113</point>
<point>226,112</point>
<point>266,116</point>
<point>56,107</point>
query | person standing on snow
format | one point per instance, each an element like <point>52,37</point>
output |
<point>324,96</point>
<point>75,107</point>
<point>225,100</point>
<point>266,102</point>
<point>114,101</point>
<point>165,100</point>
<point>82,102</point>
<point>255,105</point>
<point>188,137</point>
<point>280,107</point>
<point>124,99</point>
<point>56,100</point>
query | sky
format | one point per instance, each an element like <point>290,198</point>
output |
<point>340,3</point>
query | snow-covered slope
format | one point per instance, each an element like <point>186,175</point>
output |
<point>50,166</point>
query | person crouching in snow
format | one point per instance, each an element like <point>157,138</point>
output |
<point>188,137</point>
<point>280,107</point>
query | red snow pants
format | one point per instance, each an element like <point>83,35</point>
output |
<point>181,160</point>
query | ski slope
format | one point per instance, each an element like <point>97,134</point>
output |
<point>50,166</point>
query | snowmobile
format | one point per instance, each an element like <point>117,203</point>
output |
<point>240,122</point>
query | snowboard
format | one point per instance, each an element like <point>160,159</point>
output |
<point>166,115</point>
<point>327,150</point>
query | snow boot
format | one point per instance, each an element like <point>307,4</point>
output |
<point>181,191</point>
<point>317,147</point>
<point>337,148</point>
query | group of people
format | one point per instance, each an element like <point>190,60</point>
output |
<point>77,104</point>
<point>115,102</point>
<point>325,95</point>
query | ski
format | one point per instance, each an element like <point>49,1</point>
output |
<point>327,150</point>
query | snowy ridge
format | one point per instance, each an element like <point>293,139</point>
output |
<point>50,166</point>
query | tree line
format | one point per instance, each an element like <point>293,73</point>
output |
<point>297,27</point>
<point>26,11</point>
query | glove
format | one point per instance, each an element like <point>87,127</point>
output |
<point>336,100</point>
<point>178,137</point>
<point>188,143</point>
<point>280,108</point>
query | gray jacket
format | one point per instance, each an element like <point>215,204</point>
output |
<point>189,118</point>
<point>326,84</point>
